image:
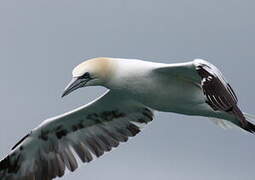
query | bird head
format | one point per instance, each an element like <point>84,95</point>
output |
<point>92,72</point>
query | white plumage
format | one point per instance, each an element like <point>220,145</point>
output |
<point>135,89</point>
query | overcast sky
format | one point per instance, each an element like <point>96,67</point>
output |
<point>41,42</point>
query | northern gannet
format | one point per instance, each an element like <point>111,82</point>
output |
<point>135,89</point>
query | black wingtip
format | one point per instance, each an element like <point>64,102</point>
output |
<point>243,122</point>
<point>248,126</point>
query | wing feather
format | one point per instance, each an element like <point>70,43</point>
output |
<point>89,131</point>
<point>219,94</point>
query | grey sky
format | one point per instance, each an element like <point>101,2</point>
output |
<point>41,41</point>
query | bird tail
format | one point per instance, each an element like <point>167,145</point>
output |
<point>226,124</point>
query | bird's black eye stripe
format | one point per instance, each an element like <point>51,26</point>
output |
<point>85,76</point>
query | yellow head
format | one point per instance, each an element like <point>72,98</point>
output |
<point>92,72</point>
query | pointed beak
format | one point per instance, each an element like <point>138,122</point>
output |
<point>73,85</point>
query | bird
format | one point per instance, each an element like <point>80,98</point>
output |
<point>135,90</point>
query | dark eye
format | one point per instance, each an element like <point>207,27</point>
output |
<point>85,76</point>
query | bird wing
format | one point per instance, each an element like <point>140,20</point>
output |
<point>218,92</point>
<point>86,132</point>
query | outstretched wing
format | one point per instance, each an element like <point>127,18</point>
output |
<point>89,131</point>
<point>218,93</point>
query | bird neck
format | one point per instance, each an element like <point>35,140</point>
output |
<point>129,73</point>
